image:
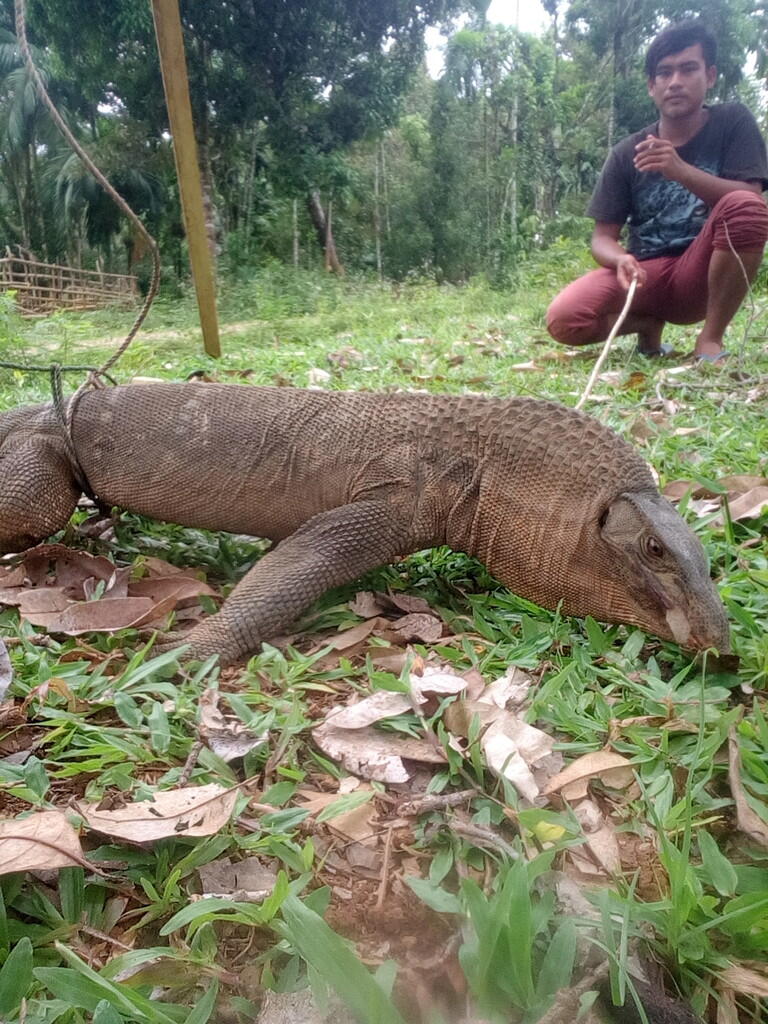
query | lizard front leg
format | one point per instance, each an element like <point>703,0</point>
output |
<point>332,548</point>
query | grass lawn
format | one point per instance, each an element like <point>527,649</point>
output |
<point>428,889</point>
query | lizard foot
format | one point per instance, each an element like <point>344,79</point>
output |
<point>168,642</point>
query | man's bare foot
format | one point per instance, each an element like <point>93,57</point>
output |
<point>708,346</point>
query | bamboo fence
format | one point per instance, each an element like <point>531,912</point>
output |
<point>46,287</point>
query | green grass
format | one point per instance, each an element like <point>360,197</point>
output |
<point>102,729</point>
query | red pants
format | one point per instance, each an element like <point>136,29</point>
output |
<point>676,287</point>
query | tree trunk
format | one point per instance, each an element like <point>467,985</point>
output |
<point>248,196</point>
<point>324,232</point>
<point>376,213</point>
<point>295,225</point>
<point>212,231</point>
<point>385,188</point>
<point>203,139</point>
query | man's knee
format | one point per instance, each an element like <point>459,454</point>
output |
<point>568,325</point>
<point>740,221</point>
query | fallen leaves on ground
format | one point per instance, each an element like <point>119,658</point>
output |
<point>194,811</point>
<point>43,841</point>
<point>247,880</point>
<point>512,748</point>
<point>747,820</point>
<point>747,496</point>
<point>222,731</point>
<point>6,670</point>
<point>612,769</point>
<point>64,590</point>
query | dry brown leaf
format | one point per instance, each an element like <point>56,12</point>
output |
<point>195,811</point>
<point>247,881</point>
<point>301,1008</point>
<point>381,704</point>
<point>750,980</point>
<point>559,356</point>
<point>184,589</point>
<point>345,357</point>
<point>159,567</point>
<point>677,489</point>
<point>366,605</point>
<point>611,377</point>
<point>225,734</point>
<point>350,637</point>
<point>372,754</point>
<point>741,483</point>
<point>116,585</point>
<point>510,689</point>
<point>42,601</point>
<point>635,381</point>
<point>601,842</point>
<point>435,682</point>
<point>103,616</point>
<point>352,824</point>
<point>40,842</point>
<point>419,628</point>
<point>573,782</point>
<point>6,670</point>
<point>522,367</point>
<point>12,576</point>
<point>750,505</point>
<point>67,566</point>
<point>746,819</point>
<point>317,378</point>
<point>511,747</point>
<point>727,1013</point>
<point>388,659</point>
<point>406,602</point>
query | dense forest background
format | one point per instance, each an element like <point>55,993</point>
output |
<point>310,111</point>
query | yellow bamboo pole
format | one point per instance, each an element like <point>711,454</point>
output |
<point>170,44</point>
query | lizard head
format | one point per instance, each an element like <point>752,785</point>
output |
<point>660,573</point>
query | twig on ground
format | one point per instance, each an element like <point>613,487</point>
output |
<point>435,802</point>
<point>189,764</point>
<point>484,837</point>
<point>384,880</point>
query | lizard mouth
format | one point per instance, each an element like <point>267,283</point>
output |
<point>678,623</point>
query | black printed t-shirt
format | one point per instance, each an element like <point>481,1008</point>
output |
<point>663,216</point>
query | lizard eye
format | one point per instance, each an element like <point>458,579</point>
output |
<point>654,547</point>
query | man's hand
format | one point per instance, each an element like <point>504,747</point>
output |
<point>654,154</point>
<point>627,269</point>
<point>610,253</point>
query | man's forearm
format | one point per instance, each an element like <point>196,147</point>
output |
<point>709,187</point>
<point>607,251</point>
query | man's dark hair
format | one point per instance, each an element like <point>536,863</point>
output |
<point>679,37</point>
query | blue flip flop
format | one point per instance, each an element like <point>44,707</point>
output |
<point>660,353</point>
<point>711,357</point>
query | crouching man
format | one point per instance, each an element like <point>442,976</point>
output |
<point>689,187</point>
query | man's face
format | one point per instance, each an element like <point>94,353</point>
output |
<point>680,84</point>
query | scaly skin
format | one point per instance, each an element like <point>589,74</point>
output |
<point>558,507</point>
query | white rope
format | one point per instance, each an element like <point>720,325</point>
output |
<point>607,344</point>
